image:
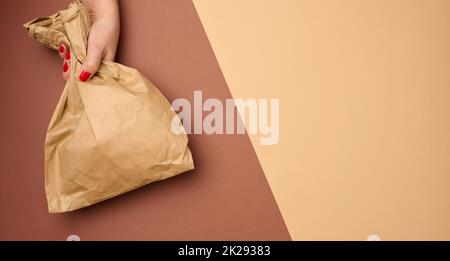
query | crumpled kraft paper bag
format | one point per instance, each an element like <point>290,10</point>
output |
<point>109,135</point>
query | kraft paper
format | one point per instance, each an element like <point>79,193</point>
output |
<point>109,135</point>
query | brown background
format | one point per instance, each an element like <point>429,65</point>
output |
<point>225,197</point>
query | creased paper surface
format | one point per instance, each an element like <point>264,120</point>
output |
<point>109,135</point>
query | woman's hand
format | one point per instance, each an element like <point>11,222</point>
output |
<point>102,40</point>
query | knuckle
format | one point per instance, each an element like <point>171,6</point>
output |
<point>91,65</point>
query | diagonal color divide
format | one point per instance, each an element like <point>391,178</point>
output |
<point>226,197</point>
<point>364,147</point>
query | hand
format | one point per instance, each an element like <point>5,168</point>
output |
<point>102,40</point>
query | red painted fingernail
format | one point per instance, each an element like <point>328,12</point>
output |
<point>65,67</point>
<point>68,55</point>
<point>61,48</point>
<point>84,75</point>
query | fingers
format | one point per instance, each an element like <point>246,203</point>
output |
<point>89,67</point>
<point>64,53</point>
<point>91,64</point>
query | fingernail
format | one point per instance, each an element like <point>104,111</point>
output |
<point>65,67</point>
<point>84,75</point>
<point>61,48</point>
<point>68,55</point>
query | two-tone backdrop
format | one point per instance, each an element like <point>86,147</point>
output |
<point>364,148</point>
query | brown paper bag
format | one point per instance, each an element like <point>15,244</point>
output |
<point>109,135</point>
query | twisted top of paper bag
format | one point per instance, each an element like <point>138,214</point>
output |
<point>69,26</point>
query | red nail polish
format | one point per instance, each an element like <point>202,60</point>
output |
<point>65,67</point>
<point>68,55</point>
<point>61,48</point>
<point>84,75</point>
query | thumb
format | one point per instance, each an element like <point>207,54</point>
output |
<point>91,64</point>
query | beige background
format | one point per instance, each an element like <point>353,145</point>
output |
<point>365,121</point>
